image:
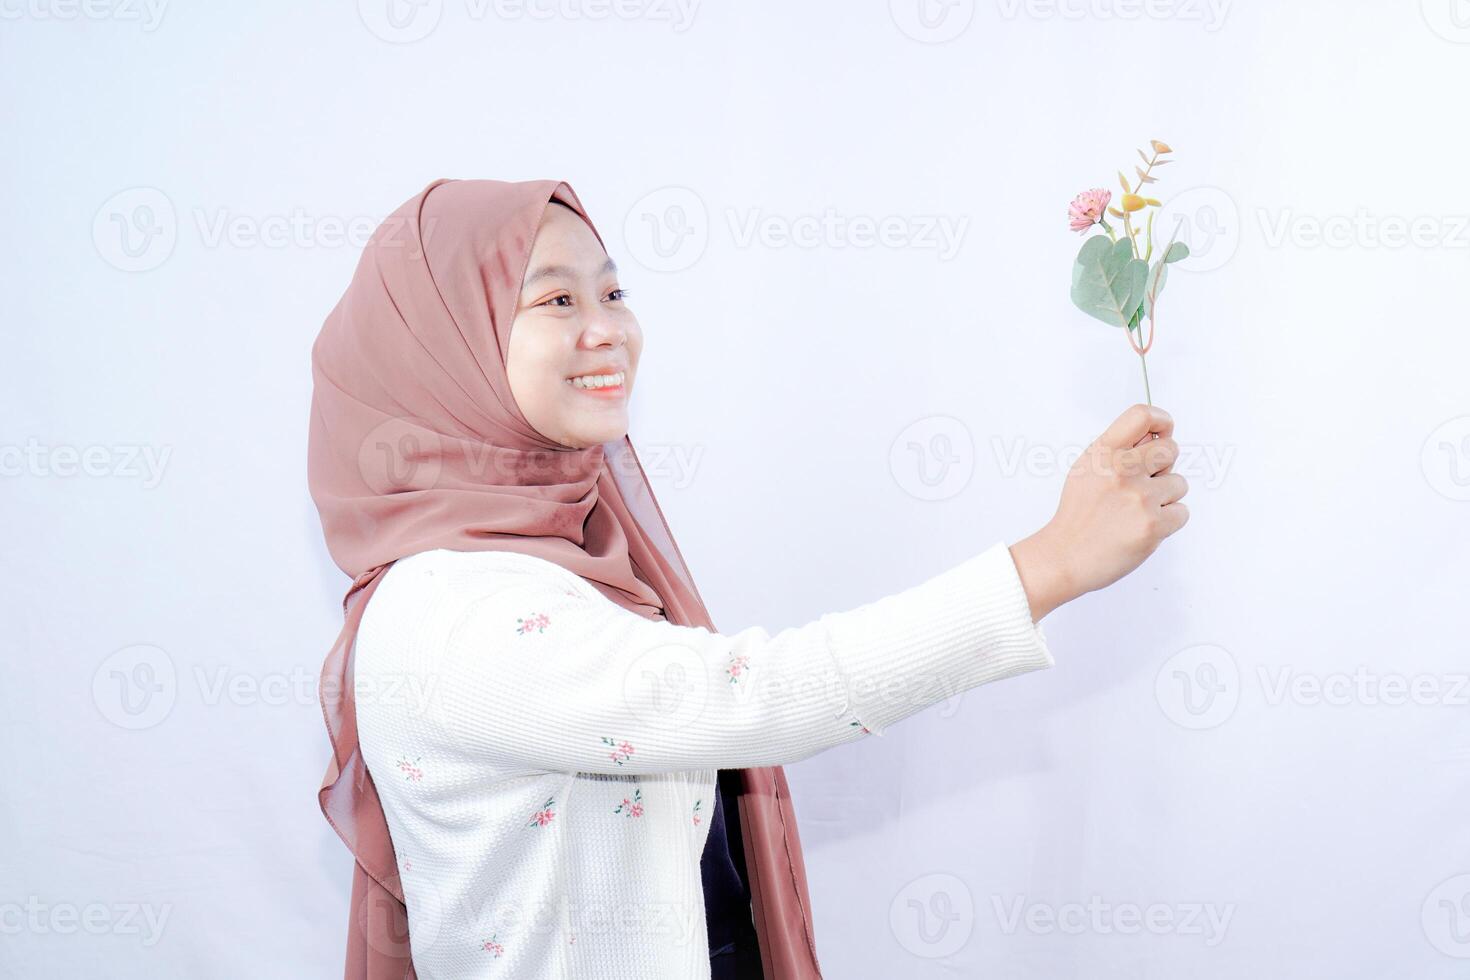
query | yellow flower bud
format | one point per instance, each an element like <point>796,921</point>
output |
<point>1132,202</point>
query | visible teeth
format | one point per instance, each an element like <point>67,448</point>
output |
<point>597,380</point>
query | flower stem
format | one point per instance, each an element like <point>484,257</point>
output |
<point>1149,395</point>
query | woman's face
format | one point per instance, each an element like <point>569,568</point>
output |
<point>571,322</point>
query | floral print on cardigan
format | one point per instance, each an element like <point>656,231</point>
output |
<point>620,750</point>
<point>534,623</point>
<point>543,816</point>
<point>631,807</point>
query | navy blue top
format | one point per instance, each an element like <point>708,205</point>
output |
<point>733,949</point>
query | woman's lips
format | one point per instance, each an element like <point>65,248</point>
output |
<point>614,391</point>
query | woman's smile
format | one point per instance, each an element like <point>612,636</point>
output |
<point>608,384</point>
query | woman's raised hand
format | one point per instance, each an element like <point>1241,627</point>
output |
<point>1120,500</point>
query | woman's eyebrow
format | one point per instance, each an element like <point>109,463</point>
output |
<point>567,272</point>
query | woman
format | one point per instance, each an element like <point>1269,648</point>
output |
<point>529,707</point>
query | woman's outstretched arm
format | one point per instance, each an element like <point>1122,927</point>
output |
<point>515,663</point>
<point>523,666</point>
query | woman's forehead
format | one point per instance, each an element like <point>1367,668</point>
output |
<point>566,241</point>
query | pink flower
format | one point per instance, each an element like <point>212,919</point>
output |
<point>631,807</point>
<point>621,750</point>
<point>538,622</point>
<point>1087,208</point>
<point>543,816</point>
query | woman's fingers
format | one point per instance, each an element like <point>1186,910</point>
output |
<point>1174,516</point>
<point>1151,458</point>
<point>1136,424</point>
<point>1166,488</point>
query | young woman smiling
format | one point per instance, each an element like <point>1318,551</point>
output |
<point>586,779</point>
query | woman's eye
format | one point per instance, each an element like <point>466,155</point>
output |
<point>617,295</point>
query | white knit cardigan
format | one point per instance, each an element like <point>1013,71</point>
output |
<point>546,758</point>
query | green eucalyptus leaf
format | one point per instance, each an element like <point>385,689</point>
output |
<point>1107,281</point>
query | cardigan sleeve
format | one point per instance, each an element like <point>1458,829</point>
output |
<point>527,668</point>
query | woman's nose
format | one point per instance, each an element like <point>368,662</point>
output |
<point>604,330</point>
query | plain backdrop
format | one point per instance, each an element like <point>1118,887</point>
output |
<point>842,226</point>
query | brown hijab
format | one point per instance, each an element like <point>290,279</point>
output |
<point>416,443</point>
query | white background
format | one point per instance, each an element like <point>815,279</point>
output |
<point>1265,724</point>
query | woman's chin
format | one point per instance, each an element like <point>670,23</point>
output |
<point>603,430</point>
